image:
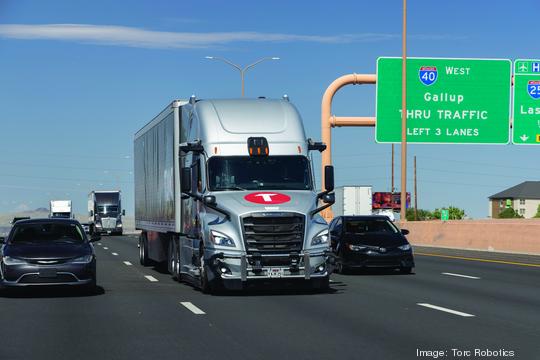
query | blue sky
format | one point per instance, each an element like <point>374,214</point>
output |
<point>78,78</point>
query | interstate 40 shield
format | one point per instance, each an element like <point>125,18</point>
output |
<point>451,101</point>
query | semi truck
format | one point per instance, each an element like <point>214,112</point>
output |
<point>60,209</point>
<point>225,195</point>
<point>105,212</point>
<point>353,200</point>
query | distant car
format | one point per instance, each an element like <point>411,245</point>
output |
<point>370,241</point>
<point>47,252</point>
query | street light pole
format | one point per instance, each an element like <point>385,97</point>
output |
<point>242,70</point>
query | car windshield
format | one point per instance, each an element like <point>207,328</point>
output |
<point>111,210</point>
<point>40,233</point>
<point>259,173</point>
<point>369,226</point>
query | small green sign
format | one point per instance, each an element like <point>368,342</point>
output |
<point>526,128</point>
<point>448,100</point>
<point>445,214</point>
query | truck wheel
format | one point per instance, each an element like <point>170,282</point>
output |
<point>143,250</point>
<point>176,257</point>
<point>204,283</point>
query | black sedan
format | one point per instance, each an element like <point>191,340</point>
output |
<point>47,252</point>
<point>370,241</point>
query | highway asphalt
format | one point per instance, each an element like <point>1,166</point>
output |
<point>489,309</point>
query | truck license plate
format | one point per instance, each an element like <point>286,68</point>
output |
<point>275,272</point>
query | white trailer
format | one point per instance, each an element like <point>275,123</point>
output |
<point>60,209</point>
<point>353,200</point>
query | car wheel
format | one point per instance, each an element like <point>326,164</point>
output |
<point>405,270</point>
<point>143,251</point>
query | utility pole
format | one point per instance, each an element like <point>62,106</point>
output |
<point>403,213</point>
<point>415,193</point>
<point>393,185</point>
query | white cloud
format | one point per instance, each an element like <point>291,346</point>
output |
<point>142,38</point>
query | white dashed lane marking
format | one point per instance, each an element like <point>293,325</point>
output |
<point>188,305</point>
<point>462,276</point>
<point>115,254</point>
<point>151,278</point>
<point>450,311</point>
<point>128,263</point>
<point>105,248</point>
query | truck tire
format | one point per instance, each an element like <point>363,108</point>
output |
<point>143,250</point>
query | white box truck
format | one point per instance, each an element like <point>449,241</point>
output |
<point>60,209</point>
<point>353,200</point>
<point>225,194</point>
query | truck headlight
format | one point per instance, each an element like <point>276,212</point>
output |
<point>405,247</point>
<point>8,260</point>
<point>83,259</point>
<point>221,239</point>
<point>119,225</point>
<point>321,238</point>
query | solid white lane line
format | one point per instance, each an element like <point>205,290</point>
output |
<point>115,254</point>
<point>192,308</point>
<point>128,263</point>
<point>151,278</point>
<point>105,248</point>
<point>463,276</point>
<point>440,308</point>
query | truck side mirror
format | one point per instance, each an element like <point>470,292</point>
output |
<point>186,180</point>
<point>91,212</point>
<point>2,239</point>
<point>124,212</point>
<point>329,178</point>
<point>209,200</point>
<point>329,198</point>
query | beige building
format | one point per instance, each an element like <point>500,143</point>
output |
<point>524,198</point>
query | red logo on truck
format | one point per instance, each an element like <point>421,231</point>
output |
<point>267,198</point>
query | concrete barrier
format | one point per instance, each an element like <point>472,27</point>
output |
<point>502,235</point>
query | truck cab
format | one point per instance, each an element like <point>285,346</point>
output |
<point>248,205</point>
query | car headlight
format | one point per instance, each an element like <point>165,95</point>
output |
<point>221,239</point>
<point>83,259</point>
<point>119,225</point>
<point>405,247</point>
<point>356,247</point>
<point>8,260</point>
<point>321,238</point>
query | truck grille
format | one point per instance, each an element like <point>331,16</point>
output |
<point>273,233</point>
<point>108,223</point>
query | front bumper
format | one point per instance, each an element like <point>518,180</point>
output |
<point>39,275</point>
<point>236,266</point>
<point>393,259</point>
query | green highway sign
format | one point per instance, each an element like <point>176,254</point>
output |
<point>450,101</point>
<point>526,129</point>
<point>445,214</point>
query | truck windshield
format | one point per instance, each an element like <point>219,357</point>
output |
<point>111,210</point>
<point>259,173</point>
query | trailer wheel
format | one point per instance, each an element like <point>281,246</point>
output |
<point>176,257</point>
<point>143,250</point>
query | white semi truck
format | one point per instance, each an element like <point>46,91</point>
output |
<point>60,209</point>
<point>105,212</point>
<point>225,194</point>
